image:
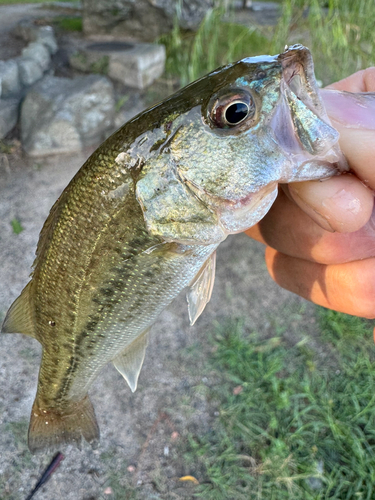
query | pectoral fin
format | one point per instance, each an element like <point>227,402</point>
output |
<point>129,362</point>
<point>200,290</point>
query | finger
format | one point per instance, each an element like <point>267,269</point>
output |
<point>362,81</point>
<point>348,288</point>
<point>291,231</point>
<point>359,148</point>
<point>354,117</point>
<point>338,204</point>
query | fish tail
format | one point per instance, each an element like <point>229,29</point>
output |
<point>51,428</point>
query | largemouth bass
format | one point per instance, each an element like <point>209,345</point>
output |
<point>142,218</point>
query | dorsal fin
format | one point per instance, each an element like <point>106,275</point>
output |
<point>129,362</point>
<point>19,318</point>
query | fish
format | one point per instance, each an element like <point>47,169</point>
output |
<point>143,217</point>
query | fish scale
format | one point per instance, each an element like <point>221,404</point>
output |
<point>143,217</point>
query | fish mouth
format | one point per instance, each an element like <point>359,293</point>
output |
<point>300,122</point>
<point>235,216</point>
<point>299,76</point>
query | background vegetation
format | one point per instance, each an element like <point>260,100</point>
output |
<point>340,31</point>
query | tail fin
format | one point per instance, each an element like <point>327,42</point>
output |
<point>50,428</point>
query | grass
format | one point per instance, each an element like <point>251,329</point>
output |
<point>191,55</point>
<point>118,478</point>
<point>14,2</point>
<point>70,23</point>
<point>339,33</point>
<point>290,425</point>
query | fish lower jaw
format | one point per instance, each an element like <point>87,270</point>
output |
<point>236,218</point>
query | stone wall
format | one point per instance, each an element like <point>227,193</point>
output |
<point>19,73</point>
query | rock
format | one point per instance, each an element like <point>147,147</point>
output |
<point>8,115</point>
<point>60,115</point>
<point>46,36</point>
<point>143,20</point>
<point>89,61</point>
<point>138,67</point>
<point>9,77</point>
<point>135,65</point>
<point>26,30</point>
<point>29,32</point>
<point>39,53</point>
<point>29,71</point>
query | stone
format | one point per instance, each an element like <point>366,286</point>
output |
<point>138,67</point>
<point>26,30</point>
<point>9,77</point>
<point>46,36</point>
<point>89,61</point>
<point>60,115</point>
<point>29,71</point>
<point>134,65</point>
<point>143,20</point>
<point>8,115</point>
<point>37,52</point>
<point>29,32</point>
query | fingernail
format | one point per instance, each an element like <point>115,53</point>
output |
<point>311,211</point>
<point>349,109</point>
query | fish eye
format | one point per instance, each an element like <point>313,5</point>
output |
<point>236,112</point>
<point>231,110</point>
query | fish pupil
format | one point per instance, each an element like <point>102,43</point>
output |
<point>236,113</point>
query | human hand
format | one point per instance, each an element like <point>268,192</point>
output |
<point>320,236</point>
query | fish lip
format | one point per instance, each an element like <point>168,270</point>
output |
<point>294,59</point>
<point>217,202</point>
<point>298,74</point>
<point>236,216</point>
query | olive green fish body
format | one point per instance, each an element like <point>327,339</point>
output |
<point>142,218</point>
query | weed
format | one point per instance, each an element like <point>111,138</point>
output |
<point>70,23</point>
<point>6,147</point>
<point>16,226</point>
<point>121,101</point>
<point>118,478</point>
<point>217,42</point>
<point>339,33</point>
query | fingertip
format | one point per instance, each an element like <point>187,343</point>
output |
<point>343,204</point>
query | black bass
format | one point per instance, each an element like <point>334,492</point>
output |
<point>143,217</point>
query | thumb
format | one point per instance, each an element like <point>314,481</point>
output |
<point>353,115</point>
<point>345,203</point>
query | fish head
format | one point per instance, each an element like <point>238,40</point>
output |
<point>257,123</point>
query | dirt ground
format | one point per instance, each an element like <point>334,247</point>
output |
<point>142,434</point>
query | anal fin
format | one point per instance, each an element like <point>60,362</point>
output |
<point>129,362</point>
<point>19,318</point>
<point>50,428</point>
<point>200,289</point>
